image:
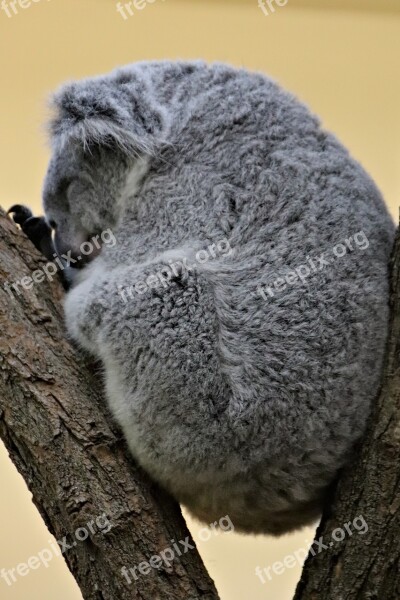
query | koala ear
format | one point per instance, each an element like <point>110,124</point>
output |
<point>109,111</point>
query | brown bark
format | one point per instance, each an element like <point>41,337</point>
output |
<point>366,566</point>
<point>56,427</point>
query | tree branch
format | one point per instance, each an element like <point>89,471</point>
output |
<point>366,566</point>
<point>57,429</point>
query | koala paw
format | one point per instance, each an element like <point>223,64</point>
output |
<point>40,234</point>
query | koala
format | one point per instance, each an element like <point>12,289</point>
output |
<point>242,314</point>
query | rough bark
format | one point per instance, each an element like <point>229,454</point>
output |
<point>56,427</point>
<point>366,566</point>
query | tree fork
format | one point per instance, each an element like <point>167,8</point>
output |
<point>60,435</point>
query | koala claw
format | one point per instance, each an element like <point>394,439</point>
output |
<point>35,228</point>
<point>19,213</point>
<point>40,234</point>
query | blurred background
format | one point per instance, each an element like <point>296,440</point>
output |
<point>342,57</point>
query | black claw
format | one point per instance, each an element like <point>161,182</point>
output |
<point>35,228</point>
<point>39,233</point>
<point>20,213</point>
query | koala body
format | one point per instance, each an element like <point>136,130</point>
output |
<point>240,387</point>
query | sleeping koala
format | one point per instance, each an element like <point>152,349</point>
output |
<point>241,380</point>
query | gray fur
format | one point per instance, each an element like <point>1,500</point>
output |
<point>238,402</point>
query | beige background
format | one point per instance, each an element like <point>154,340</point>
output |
<point>342,57</point>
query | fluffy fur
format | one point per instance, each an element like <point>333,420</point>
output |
<point>238,402</point>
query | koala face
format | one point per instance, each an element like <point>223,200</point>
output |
<point>83,194</point>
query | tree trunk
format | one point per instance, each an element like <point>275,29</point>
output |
<point>57,429</point>
<point>366,566</point>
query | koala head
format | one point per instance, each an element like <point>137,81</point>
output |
<point>103,133</point>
